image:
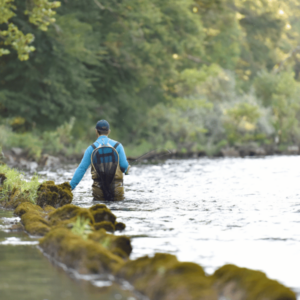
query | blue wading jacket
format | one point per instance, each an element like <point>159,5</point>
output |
<point>86,160</point>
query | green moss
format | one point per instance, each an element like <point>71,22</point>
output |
<point>186,267</point>
<point>69,212</point>
<point>34,223</point>
<point>15,199</point>
<point>163,277</point>
<point>120,253</point>
<point>108,226</point>
<point>85,256</point>
<point>26,207</point>
<point>231,281</point>
<point>119,226</point>
<point>112,242</point>
<point>103,214</point>
<point>49,209</point>
<point>97,206</point>
<point>37,228</point>
<point>15,183</point>
<point>54,195</point>
<point>146,265</point>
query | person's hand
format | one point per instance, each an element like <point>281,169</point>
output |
<point>127,171</point>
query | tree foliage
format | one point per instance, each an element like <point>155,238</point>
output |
<point>186,73</point>
<point>40,13</point>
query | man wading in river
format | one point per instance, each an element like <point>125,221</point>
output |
<point>108,161</point>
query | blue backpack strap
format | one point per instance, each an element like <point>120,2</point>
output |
<point>116,145</point>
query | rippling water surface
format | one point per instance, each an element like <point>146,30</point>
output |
<point>212,211</point>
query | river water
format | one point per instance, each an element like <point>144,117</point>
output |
<point>211,211</point>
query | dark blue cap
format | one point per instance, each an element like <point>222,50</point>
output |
<point>102,125</point>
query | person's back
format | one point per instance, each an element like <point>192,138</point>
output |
<point>108,161</point>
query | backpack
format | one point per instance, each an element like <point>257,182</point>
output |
<point>105,162</point>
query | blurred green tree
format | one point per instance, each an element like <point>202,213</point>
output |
<point>40,14</point>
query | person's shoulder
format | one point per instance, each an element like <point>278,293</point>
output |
<point>113,143</point>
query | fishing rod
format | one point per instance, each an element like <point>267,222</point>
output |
<point>150,153</point>
<point>168,152</point>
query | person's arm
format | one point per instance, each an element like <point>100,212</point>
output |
<point>80,171</point>
<point>123,160</point>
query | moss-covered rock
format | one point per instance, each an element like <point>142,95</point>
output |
<point>35,223</point>
<point>69,212</point>
<point>163,277</point>
<point>16,201</point>
<point>119,226</point>
<point>26,207</point>
<point>97,206</point>
<point>103,214</point>
<point>49,209</point>
<point>233,282</point>
<point>54,195</point>
<point>14,198</point>
<point>116,244</point>
<point>108,226</point>
<point>85,256</point>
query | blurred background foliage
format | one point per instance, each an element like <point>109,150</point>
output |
<point>188,75</point>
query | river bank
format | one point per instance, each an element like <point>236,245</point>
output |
<point>165,261</point>
<point>20,158</point>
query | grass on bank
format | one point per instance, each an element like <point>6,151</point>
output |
<point>15,180</point>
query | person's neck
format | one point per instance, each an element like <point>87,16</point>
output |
<point>102,135</point>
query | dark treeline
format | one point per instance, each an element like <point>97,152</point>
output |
<point>181,74</point>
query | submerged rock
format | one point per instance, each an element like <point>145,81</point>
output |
<point>54,195</point>
<point>233,282</point>
<point>85,256</point>
<point>162,277</point>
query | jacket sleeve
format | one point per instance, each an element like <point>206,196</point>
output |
<point>123,160</point>
<point>80,171</point>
